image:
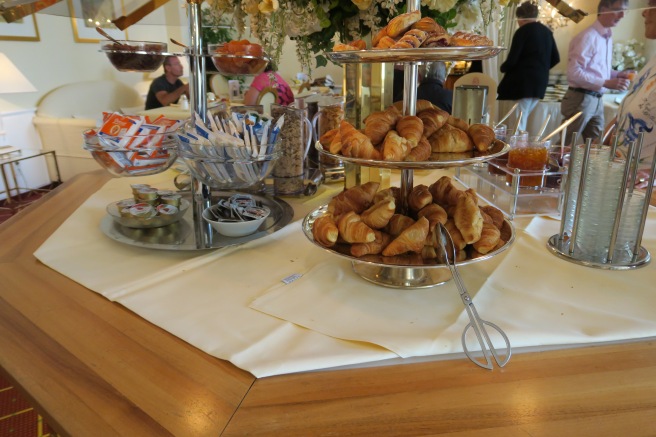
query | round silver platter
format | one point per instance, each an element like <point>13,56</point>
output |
<point>404,271</point>
<point>560,248</point>
<point>436,160</point>
<point>415,55</point>
<point>181,235</point>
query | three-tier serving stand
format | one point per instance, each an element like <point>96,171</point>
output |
<point>408,272</point>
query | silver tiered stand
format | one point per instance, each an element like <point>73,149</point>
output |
<point>407,272</point>
<point>192,232</point>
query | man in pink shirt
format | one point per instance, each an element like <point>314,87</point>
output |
<point>589,72</point>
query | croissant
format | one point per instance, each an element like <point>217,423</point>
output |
<point>356,144</point>
<point>433,119</point>
<point>412,39</point>
<point>328,136</point>
<point>496,215</point>
<point>468,219</point>
<point>419,197</point>
<point>458,122</point>
<point>434,213</point>
<point>356,199</point>
<point>335,146</point>
<point>401,23</point>
<point>410,240</point>
<point>374,248</point>
<point>428,252</point>
<point>456,236</point>
<point>391,193</point>
<point>377,124</point>
<point>420,105</point>
<point>379,214</point>
<point>482,135</point>
<point>398,223</point>
<point>395,147</point>
<point>360,44</point>
<point>490,236</point>
<point>444,192</point>
<point>324,230</point>
<point>411,128</point>
<point>428,24</point>
<point>394,114</point>
<point>450,139</point>
<point>353,230</point>
<point>420,153</point>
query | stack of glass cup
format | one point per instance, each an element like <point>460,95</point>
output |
<point>603,217</point>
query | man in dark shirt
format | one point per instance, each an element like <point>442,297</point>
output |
<point>167,88</point>
<point>432,87</point>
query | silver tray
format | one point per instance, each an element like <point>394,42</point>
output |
<point>404,271</point>
<point>560,248</point>
<point>436,160</point>
<point>415,55</point>
<point>181,235</point>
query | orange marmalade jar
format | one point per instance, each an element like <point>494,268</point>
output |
<point>532,158</point>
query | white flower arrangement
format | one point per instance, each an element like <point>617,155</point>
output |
<point>628,55</point>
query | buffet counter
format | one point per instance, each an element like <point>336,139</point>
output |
<point>93,366</point>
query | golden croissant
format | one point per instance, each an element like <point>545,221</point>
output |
<point>324,230</point>
<point>379,214</point>
<point>490,236</point>
<point>356,199</point>
<point>353,230</point>
<point>419,197</point>
<point>420,153</point>
<point>411,128</point>
<point>356,144</point>
<point>374,248</point>
<point>468,219</point>
<point>482,136</point>
<point>377,124</point>
<point>410,240</point>
<point>395,147</point>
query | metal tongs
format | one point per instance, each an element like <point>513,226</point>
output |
<point>475,322</point>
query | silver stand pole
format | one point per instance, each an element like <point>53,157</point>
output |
<point>200,193</point>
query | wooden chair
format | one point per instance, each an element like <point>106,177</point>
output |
<point>266,98</point>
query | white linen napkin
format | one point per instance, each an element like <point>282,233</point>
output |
<point>536,298</point>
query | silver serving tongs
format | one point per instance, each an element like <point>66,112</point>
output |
<point>475,322</point>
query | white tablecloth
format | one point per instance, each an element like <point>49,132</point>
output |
<point>231,303</point>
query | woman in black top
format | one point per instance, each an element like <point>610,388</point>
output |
<point>532,54</point>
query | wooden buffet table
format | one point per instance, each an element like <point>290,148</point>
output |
<point>92,367</point>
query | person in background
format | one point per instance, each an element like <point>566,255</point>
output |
<point>589,72</point>
<point>532,54</point>
<point>432,86</point>
<point>167,88</point>
<point>638,109</point>
<point>269,78</point>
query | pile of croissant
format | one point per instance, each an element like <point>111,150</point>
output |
<point>390,136</point>
<point>409,30</point>
<point>366,221</point>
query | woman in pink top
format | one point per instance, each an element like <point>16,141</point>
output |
<point>269,79</point>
